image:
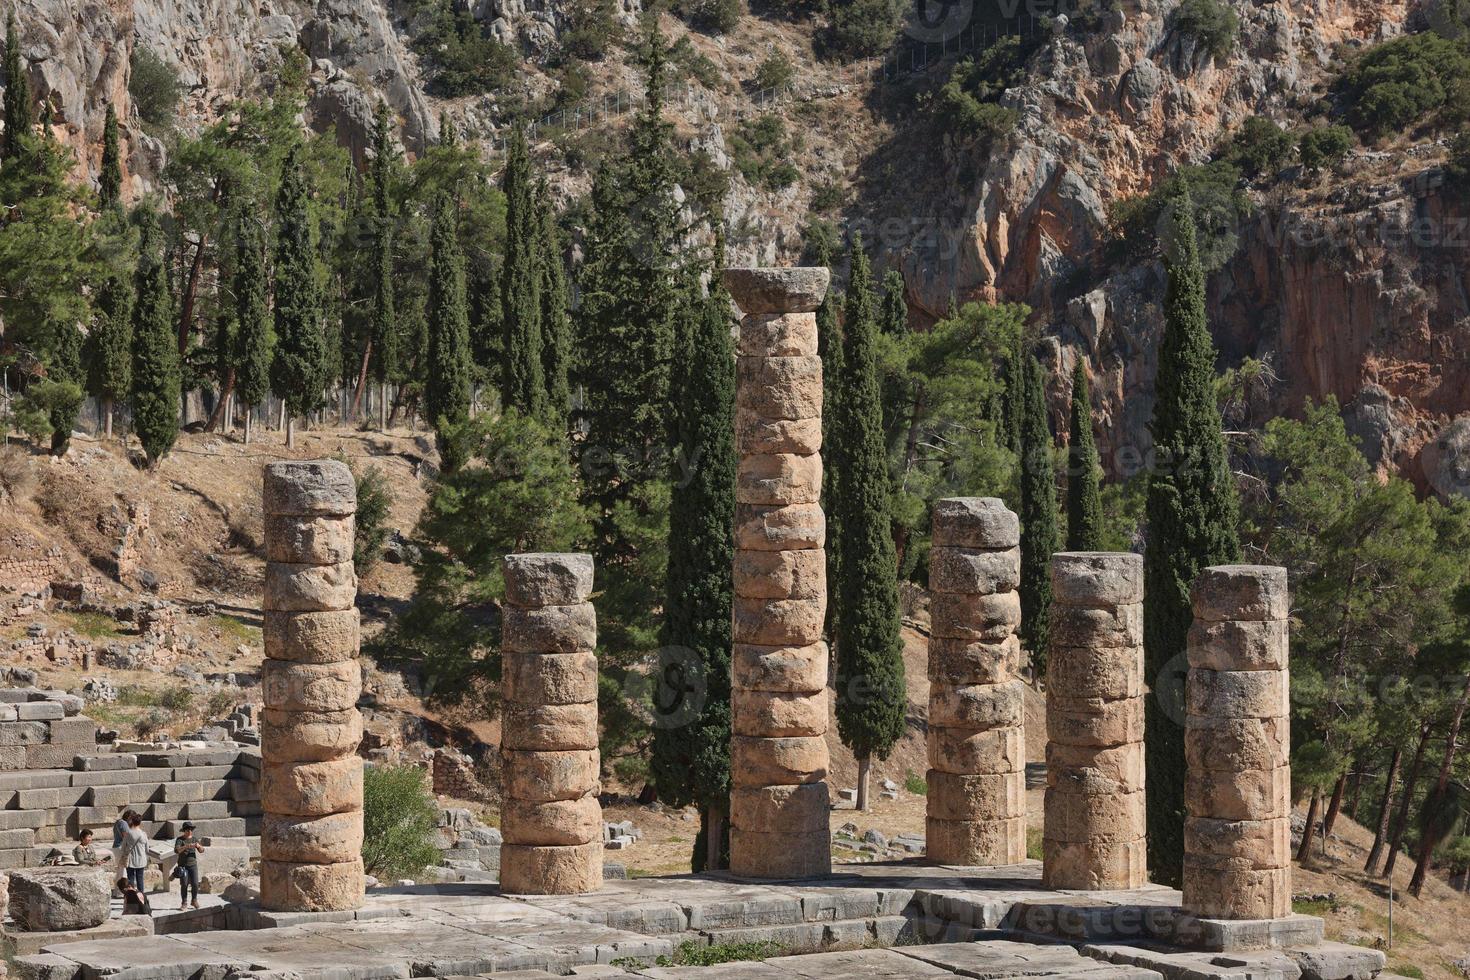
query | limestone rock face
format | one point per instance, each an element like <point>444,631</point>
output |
<point>59,899</point>
<point>779,703</point>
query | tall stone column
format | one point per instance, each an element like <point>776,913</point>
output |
<point>311,780</point>
<point>779,800</point>
<point>1237,742</point>
<point>1096,821</point>
<point>551,820</point>
<point>976,805</point>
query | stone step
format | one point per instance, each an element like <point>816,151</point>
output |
<point>208,810</point>
<point>227,827</point>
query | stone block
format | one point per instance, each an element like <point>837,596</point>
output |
<point>1083,818</point>
<point>327,637</point>
<point>39,799</point>
<point>773,290</point>
<point>319,486</point>
<point>781,574</point>
<point>312,789</point>
<point>778,335</point>
<point>551,823</point>
<point>40,711</point>
<point>975,843</point>
<point>769,714</point>
<point>1237,693</point>
<point>982,796</point>
<point>779,622</point>
<point>975,522</point>
<point>961,751</point>
<point>1094,721</point>
<point>206,810</point>
<point>12,758</point>
<point>59,899</point>
<point>309,736</point>
<point>974,571</point>
<point>779,387</point>
<point>1239,645</point>
<point>24,733</point>
<point>109,796</point>
<point>184,792</point>
<point>794,527</point>
<point>543,776</point>
<point>571,870</point>
<point>777,761</point>
<point>311,887</point>
<point>1244,894</point>
<point>1087,626</point>
<point>756,434</point>
<point>778,479</point>
<point>544,579</point>
<point>15,839</point>
<point>549,629</point>
<point>17,819</point>
<point>110,762</point>
<point>1101,579</point>
<point>550,678</point>
<point>1094,769</point>
<point>793,670</point>
<point>560,727</point>
<point>315,539</point>
<point>311,687</point>
<point>52,756</point>
<point>958,662</point>
<point>1238,844</point>
<point>790,809</point>
<point>332,839</point>
<point>1233,744</point>
<point>309,588</point>
<point>1258,592</point>
<point>1249,794</point>
<point>1096,672</point>
<point>774,854</point>
<point>1093,866</point>
<point>988,618</point>
<point>978,706</point>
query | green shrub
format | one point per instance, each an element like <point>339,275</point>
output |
<point>695,64</point>
<point>1210,22</point>
<point>399,820</point>
<point>1413,80</point>
<point>221,703</point>
<point>1325,146</point>
<point>1457,167</point>
<point>592,30</point>
<point>1219,204</point>
<point>819,237</point>
<point>1259,147</point>
<point>827,196</point>
<point>374,501</point>
<point>712,16</point>
<point>915,784</point>
<point>761,148</point>
<point>967,103</point>
<point>863,28</point>
<point>48,409</point>
<point>463,59</point>
<point>775,72</point>
<point>154,87</point>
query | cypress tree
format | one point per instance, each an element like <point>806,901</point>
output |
<point>447,391</point>
<point>298,371</point>
<point>870,686</point>
<point>384,335</point>
<point>894,323</point>
<point>156,375</point>
<point>829,348</point>
<point>1039,537</point>
<point>109,181</point>
<point>1014,402</point>
<point>556,327</point>
<point>110,346</point>
<point>1084,471</point>
<point>523,384</point>
<point>20,116</point>
<point>691,737</point>
<point>1193,517</point>
<point>252,340</point>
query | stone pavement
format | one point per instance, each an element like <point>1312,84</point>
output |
<point>938,922</point>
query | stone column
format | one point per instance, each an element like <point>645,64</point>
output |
<point>779,800</point>
<point>976,806</point>
<point>551,820</point>
<point>1237,741</point>
<point>1095,819</point>
<point>311,783</point>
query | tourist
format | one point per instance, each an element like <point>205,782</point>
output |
<point>187,849</point>
<point>120,829</point>
<point>135,851</point>
<point>86,853</point>
<point>134,901</point>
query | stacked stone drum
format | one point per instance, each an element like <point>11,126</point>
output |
<point>779,800</point>
<point>551,820</point>
<point>976,805</point>
<point>311,783</point>
<point>1096,820</point>
<point>1237,741</point>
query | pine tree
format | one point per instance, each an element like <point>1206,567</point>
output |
<point>20,117</point>
<point>156,375</point>
<point>110,346</point>
<point>109,180</point>
<point>384,333</point>
<point>447,393</point>
<point>829,348</point>
<point>1039,538</point>
<point>1192,524</point>
<point>252,340</point>
<point>691,736</point>
<point>556,327</point>
<point>523,384</point>
<point>870,686</point>
<point>298,368</point>
<point>1084,471</point>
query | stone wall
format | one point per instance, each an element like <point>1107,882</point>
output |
<point>311,835</point>
<point>779,704</point>
<point>1095,813</point>
<point>976,805</point>
<point>551,820</point>
<point>1237,741</point>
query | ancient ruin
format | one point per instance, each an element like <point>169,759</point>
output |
<point>551,820</point>
<point>1237,834</point>
<point>1095,813</point>
<point>311,786</point>
<point>976,804</point>
<point>779,801</point>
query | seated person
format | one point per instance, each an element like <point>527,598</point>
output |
<point>134,901</point>
<point>87,854</point>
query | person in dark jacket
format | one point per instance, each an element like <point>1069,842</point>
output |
<point>187,850</point>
